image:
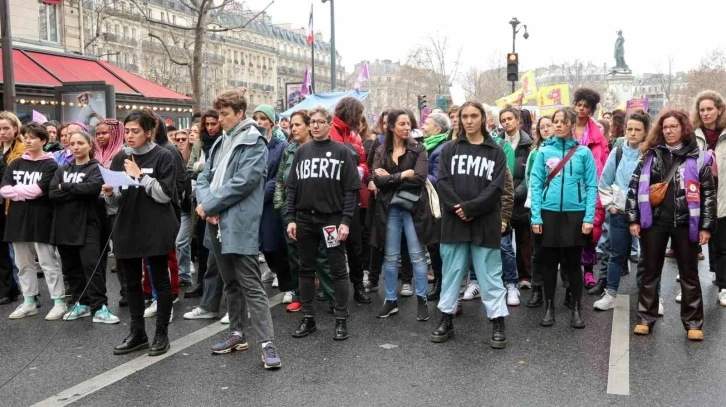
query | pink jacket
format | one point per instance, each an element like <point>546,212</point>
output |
<point>598,145</point>
<point>25,192</point>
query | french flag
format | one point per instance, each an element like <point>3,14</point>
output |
<point>311,36</point>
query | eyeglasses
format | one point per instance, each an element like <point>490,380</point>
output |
<point>179,140</point>
<point>318,122</point>
<point>672,127</point>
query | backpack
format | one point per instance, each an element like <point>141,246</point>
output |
<point>618,156</point>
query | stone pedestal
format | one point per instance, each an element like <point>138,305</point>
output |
<point>620,89</point>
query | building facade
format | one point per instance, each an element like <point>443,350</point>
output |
<point>396,85</point>
<point>156,43</point>
<point>46,24</point>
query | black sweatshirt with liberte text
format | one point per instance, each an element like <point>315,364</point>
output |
<point>324,181</point>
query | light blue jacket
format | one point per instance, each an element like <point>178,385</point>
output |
<point>240,198</point>
<point>615,178</point>
<point>573,189</point>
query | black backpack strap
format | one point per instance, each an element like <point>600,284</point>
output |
<point>618,156</point>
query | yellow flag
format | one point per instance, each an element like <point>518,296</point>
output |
<point>529,86</point>
<point>512,100</point>
<point>552,98</point>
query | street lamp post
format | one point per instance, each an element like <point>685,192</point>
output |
<point>333,59</point>
<point>515,22</point>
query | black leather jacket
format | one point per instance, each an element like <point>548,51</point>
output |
<point>674,208</point>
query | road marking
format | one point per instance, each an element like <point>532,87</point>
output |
<point>105,379</point>
<point>619,366</point>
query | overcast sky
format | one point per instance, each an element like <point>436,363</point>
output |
<point>559,30</point>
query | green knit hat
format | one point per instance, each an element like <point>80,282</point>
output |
<point>267,110</point>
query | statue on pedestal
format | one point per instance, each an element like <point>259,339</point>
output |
<point>620,65</point>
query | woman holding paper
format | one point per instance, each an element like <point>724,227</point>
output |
<point>146,226</point>
<point>78,230</point>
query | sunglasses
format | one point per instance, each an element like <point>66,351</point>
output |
<point>179,140</point>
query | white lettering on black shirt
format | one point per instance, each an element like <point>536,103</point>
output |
<point>74,177</point>
<point>26,177</point>
<point>469,165</point>
<point>318,168</point>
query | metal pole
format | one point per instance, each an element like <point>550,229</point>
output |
<point>514,42</point>
<point>7,47</point>
<point>312,74</point>
<point>333,58</point>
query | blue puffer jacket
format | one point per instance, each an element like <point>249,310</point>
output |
<point>573,189</point>
<point>271,236</point>
<point>433,174</point>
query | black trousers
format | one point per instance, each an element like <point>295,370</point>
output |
<point>654,241</point>
<point>135,293</point>
<point>202,252</point>
<point>354,248</point>
<point>110,220</point>
<point>309,235</point>
<point>79,267</point>
<point>436,261</point>
<point>365,235</point>
<point>8,288</point>
<point>718,246</point>
<point>568,258</point>
<point>279,264</point>
<point>523,237</point>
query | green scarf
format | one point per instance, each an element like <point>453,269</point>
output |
<point>432,142</point>
<point>277,132</point>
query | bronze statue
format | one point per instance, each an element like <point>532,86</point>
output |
<point>620,64</point>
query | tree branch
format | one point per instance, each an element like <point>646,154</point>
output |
<point>168,52</point>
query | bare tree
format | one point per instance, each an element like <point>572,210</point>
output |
<point>205,17</point>
<point>96,11</point>
<point>579,74</point>
<point>166,73</point>
<point>665,81</point>
<point>710,74</point>
<point>489,84</point>
<point>437,61</point>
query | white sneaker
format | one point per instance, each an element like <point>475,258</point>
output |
<point>525,285</point>
<point>77,311</point>
<point>722,297</point>
<point>713,278</point>
<point>104,316</point>
<point>678,297</point>
<point>261,258</point>
<point>57,312</point>
<point>678,278</point>
<point>171,316</point>
<point>287,298</point>
<point>406,290</point>
<point>605,303</point>
<point>225,319</point>
<point>199,313</point>
<point>268,276</point>
<point>512,295</point>
<point>472,291</point>
<point>24,310</point>
<point>192,270</point>
<point>150,312</point>
<point>661,310</point>
<point>275,283</point>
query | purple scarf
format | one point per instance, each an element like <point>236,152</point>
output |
<point>693,167</point>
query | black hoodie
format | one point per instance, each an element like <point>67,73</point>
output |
<point>78,212</point>
<point>472,176</point>
<point>183,187</point>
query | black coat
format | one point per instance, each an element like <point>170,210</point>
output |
<point>415,158</point>
<point>674,207</point>
<point>521,154</point>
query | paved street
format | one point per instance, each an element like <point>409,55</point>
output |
<point>385,362</point>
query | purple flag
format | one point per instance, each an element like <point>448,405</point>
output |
<point>363,76</point>
<point>307,80</point>
<point>39,117</point>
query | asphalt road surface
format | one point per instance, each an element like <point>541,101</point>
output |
<point>388,362</point>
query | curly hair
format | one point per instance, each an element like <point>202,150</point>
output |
<point>349,110</point>
<point>364,130</point>
<point>655,136</point>
<point>717,100</point>
<point>617,128</point>
<point>588,95</point>
<point>642,117</point>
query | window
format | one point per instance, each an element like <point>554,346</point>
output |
<point>163,16</point>
<point>133,33</point>
<point>48,22</point>
<point>126,32</point>
<point>116,29</point>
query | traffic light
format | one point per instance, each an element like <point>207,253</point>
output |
<point>421,102</point>
<point>512,67</point>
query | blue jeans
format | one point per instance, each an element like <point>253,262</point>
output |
<point>509,260</point>
<point>399,222</point>
<point>488,267</point>
<point>634,247</point>
<point>605,234</point>
<point>183,247</point>
<point>619,250</point>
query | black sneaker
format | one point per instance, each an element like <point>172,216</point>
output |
<point>341,330</point>
<point>389,308</point>
<point>235,341</point>
<point>160,345</point>
<point>123,302</point>
<point>320,296</point>
<point>270,358</point>
<point>444,330</point>
<point>307,326</point>
<point>499,339</point>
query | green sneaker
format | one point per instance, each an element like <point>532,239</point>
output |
<point>104,316</point>
<point>77,311</point>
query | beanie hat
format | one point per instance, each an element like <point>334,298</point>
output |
<point>267,110</point>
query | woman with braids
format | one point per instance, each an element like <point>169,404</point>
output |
<point>144,211</point>
<point>682,207</point>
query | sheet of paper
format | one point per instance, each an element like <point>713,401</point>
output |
<point>116,179</point>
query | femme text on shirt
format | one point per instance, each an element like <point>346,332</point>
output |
<point>27,177</point>
<point>466,164</point>
<point>318,168</point>
<point>73,177</point>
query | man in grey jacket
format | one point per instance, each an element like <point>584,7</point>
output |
<point>230,192</point>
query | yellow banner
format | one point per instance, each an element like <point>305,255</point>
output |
<point>552,98</point>
<point>513,100</point>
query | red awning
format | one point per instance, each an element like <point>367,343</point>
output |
<point>147,88</point>
<point>51,1</point>
<point>69,69</point>
<point>28,72</point>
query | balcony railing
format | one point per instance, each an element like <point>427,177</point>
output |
<point>243,43</point>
